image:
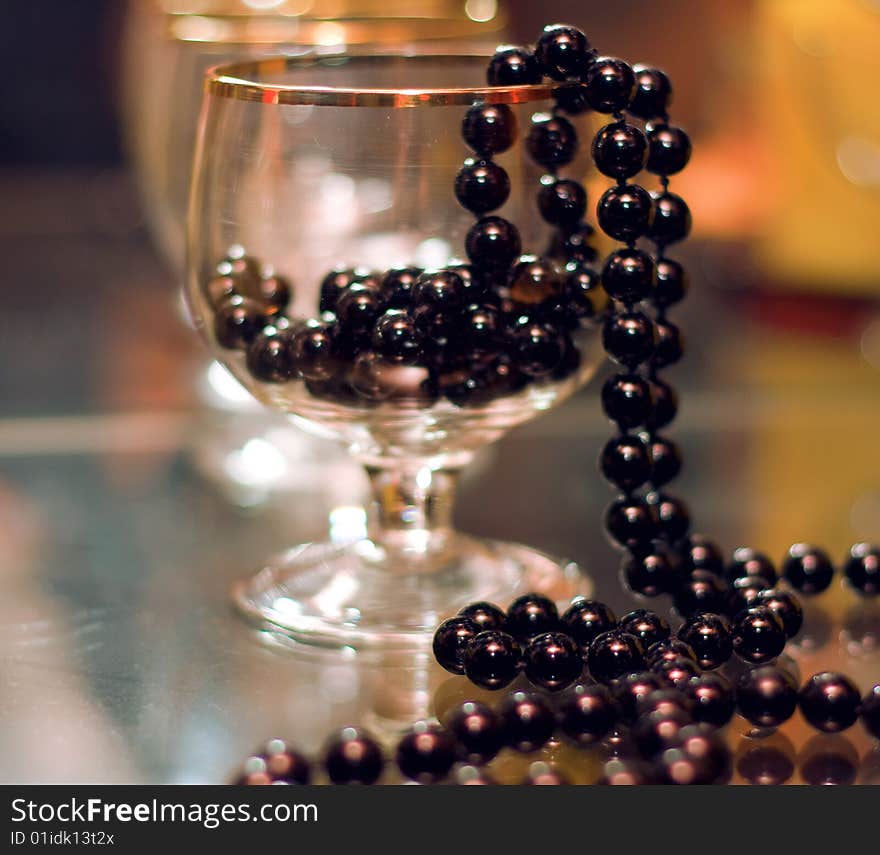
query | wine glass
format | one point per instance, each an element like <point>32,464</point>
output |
<point>327,270</point>
<point>172,43</point>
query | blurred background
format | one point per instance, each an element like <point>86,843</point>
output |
<point>136,482</point>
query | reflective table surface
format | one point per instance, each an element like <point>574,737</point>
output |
<point>128,507</point>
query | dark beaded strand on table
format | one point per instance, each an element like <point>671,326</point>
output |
<point>674,707</point>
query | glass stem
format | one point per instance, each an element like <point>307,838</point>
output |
<point>410,515</point>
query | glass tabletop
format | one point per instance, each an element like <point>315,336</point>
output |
<point>128,507</point>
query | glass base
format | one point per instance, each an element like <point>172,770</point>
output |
<point>354,595</point>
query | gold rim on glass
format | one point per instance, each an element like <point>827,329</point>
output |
<point>242,81</point>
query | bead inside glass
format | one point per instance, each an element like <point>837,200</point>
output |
<point>297,173</point>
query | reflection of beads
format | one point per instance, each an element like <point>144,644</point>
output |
<point>527,722</point>
<point>712,697</point>
<point>478,730</point>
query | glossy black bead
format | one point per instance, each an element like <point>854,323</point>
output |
<point>655,732</point>
<point>700,553</point>
<point>513,65</point>
<point>426,754</point>
<point>582,293</point>
<point>479,332</point>
<point>862,569</point>
<point>653,93</point>
<point>712,698</point>
<point>829,702</point>
<point>750,562</point>
<point>869,711</point>
<point>466,387</point>
<point>628,337</point>
<point>665,460</point>
<point>353,757</point>
<point>625,212</point>
<point>492,659</point>
<point>451,639</point>
<point>628,275</point>
<point>585,619</point>
<point>572,245</point>
<point>478,731</point>
<point>665,405</point>
<point>441,290</point>
<point>358,308</point>
<point>626,462</point>
<point>533,281</point>
<point>698,755</point>
<point>620,151</point>
<point>481,186</point>
<point>492,243</point>
<point>630,522</point>
<point>647,626</point>
<point>397,286</point>
<point>485,615</point>
<point>702,591</point>
<point>631,690</point>
<point>627,400</point>
<point>526,721</point>
<point>572,99</point>
<point>587,714</point>
<point>532,614</point>
<point>669,149</point>
<point>671,283</point>
<point>669,346</point>
<point>537,348</point>
<point>237,322</point>
<point>785,606</point>
<point>807,569</point>
<point>397,339</point>
<point>767,697</point>
<point>489,128</point>
<point>276,763</point>
<point>671,648</point>
<point>316,351</point>
<point>710,637</point>
<point>672,219</point>
<point>562,202</point>
<point>651,572</point>
<point>672,515</point>
<point>553,661</point>
<point>758,635</point>
<point>613,654</point>
<point>270,357</point>
<point>610,85</point>
<point>336,283</point>
<point>744,593</point>
<point>676,672</point>
<point>552,140</point>
<point>562,51</point>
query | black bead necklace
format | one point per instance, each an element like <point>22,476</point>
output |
<point>651,700</point>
